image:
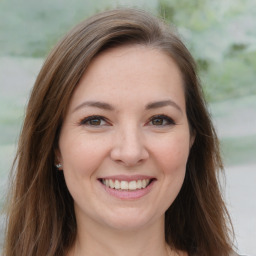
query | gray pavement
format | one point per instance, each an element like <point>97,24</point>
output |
<point>240,198</point>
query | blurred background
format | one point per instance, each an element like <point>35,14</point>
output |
<point>221,36</point>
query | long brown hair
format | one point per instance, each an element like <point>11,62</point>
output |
<point>41,218</point>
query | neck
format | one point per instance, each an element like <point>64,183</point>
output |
<point>94,239</point>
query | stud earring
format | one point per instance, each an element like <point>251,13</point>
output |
<point>58,166</point>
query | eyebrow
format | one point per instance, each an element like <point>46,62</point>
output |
<point>106,106</point>
<point>96,104</point>
<point>164,103</point>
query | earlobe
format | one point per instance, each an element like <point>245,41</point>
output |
<point>59,166</point>
<point>58,159</point>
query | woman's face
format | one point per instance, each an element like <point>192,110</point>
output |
<point>125,139</point>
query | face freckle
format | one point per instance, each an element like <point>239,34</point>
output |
<point>134,128</point>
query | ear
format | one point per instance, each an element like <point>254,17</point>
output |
<point>192,139</point>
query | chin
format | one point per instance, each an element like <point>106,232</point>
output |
<point>130,220</point>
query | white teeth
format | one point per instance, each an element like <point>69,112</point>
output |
<point>144,183</point>
<point>125,185</point>
<point>117,184</point>
<point>132,185</point>
<point>139,184</point>
<point>111,184</point>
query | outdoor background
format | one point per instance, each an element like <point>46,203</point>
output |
<point>221,34</point>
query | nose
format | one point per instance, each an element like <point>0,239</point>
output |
<point>129,147</point>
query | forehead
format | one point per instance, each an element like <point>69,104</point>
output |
<point>124,57</point>
<point>140,71</point>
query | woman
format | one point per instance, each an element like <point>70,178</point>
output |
<point>118,155</point>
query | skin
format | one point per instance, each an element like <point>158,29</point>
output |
<point>127,139</point>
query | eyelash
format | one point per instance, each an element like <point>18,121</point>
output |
<point>163,118</point>
<point>87,120</point>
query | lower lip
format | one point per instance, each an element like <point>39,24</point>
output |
<point>129,194</point>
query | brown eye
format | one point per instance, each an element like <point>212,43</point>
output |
<point>157,121</point>
<point>94,121</point>
<point>161,120</point>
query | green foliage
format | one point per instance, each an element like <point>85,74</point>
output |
<point>233,77</point>
<point>221,36</point>
<point>31,28</point>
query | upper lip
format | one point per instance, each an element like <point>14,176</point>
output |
<point>127,177</point>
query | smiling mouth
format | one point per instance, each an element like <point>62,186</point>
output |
<point>123,185</point>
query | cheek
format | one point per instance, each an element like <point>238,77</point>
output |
<point>81,158</point>
<point>172,154</point>
<point>81,155</point>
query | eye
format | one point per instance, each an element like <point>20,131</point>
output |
<point>94,121</point>
<point>161,120</point>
